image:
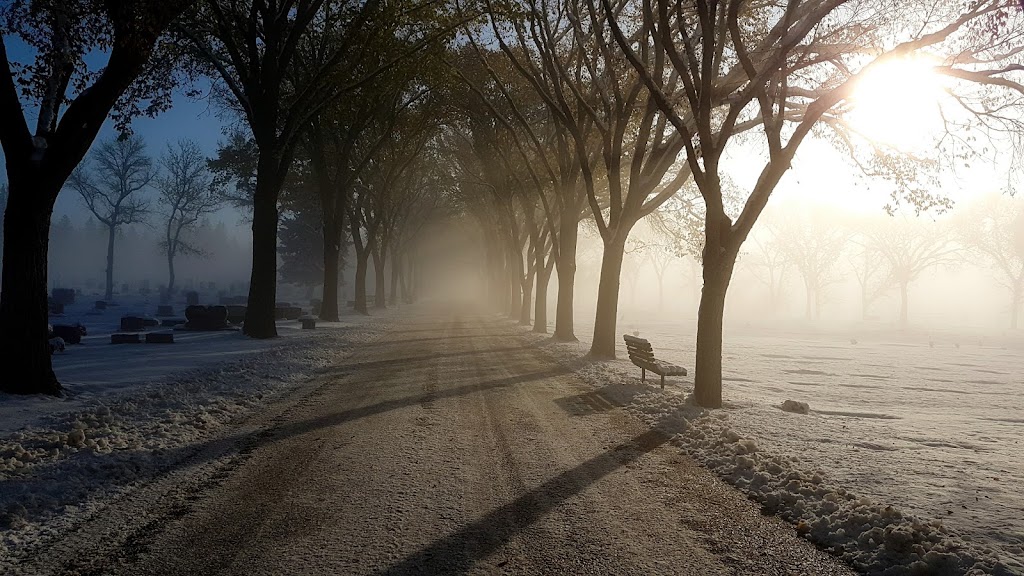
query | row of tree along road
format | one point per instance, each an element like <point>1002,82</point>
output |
<point>528,115</point>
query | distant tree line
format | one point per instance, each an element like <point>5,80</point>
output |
<point>528,116</point>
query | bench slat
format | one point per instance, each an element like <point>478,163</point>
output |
<point>641,353</point>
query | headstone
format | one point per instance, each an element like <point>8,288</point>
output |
<point>308,322</point>
<point>192,298</point>
<point>165,310</point>
<point>101,305</point>
<point>206,317</point>
<point>54,307</point>
<point>64,295</point>
<point>72,334</point>
<point>133,323</point>
<point>236,314</point>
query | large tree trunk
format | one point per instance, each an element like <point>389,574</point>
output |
<point>540,307</point>
<point>568,232</point>
<point>259,314</point>
<point>603,345</point>
<point>23,307</point>
<point>379,280</point>
<point>170,274</point>
<point>707,381</point>
<point>332,257</point>
<point>329,298</point>
<point>513,275</point>
<point>904,313</point>
<point>396,274</point>
<point>362,263</point>
<point>109,293</point>
<point>525,290</point>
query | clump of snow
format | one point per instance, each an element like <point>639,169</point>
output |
<point>873,537</point>
<point>795,407</point>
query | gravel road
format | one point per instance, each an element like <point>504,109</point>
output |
<point>449,445</point>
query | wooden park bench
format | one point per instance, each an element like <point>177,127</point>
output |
<point>641,353</point>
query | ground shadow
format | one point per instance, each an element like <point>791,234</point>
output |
<point>458,552</point>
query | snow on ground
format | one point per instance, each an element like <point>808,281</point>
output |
<point>907,463</point>
<point>131,410</point>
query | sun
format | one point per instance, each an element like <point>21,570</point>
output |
<point>897,104</point>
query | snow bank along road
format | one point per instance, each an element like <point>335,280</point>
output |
<point>448,445</point>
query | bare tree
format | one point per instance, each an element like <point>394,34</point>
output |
<point>186,195</point>
<point>910,247</point>
<point>67,101</point>
<point>812,243</point>
<point>872,272</point>
<point>785,71</point>
<point>111,183</point>
<point>994,230</point>
<point>769,264</point>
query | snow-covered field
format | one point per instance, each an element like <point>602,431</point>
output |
<point>909,459</point>
<point>132,410</point>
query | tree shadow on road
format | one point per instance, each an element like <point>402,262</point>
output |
<point>459,552</point>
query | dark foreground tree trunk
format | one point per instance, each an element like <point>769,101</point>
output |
<point>540,307</point>
<point>707,377</point>
<point>259,314</point>
<point>396,273</point>
<point>603,345</point>
<point>23,307</point>
<point>526,283</point>
<point>362,263</point>
<point>379,281</point>
<point>329,301</point>
<point>109,292</point>
<point>332,256</point>
<point>566,270</point>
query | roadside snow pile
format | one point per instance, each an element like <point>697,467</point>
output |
<point>61,467</point>
<point>875,539</point>
<point>795,407</point>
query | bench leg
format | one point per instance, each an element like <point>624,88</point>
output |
<point>662,381</point>
<point>643,375</point>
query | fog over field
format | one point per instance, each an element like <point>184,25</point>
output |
<point>529,286</point>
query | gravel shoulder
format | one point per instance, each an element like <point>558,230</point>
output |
<point>450,444</point>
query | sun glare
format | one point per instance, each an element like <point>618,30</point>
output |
<point>898,104</point>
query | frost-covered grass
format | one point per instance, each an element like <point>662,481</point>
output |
<point>907,462</point>
<point>132,411</point>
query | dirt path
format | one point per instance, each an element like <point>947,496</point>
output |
<point>449,446</point>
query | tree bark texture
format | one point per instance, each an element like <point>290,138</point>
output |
<point>603,345</point>
<point>23,305</point>
<point>379,279</point>
<point>362,263</point>
<point>109,292</point>
<point>707,381</point>
<point>566,270</point>
<point>260,320</point>
<point>540,306</point>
